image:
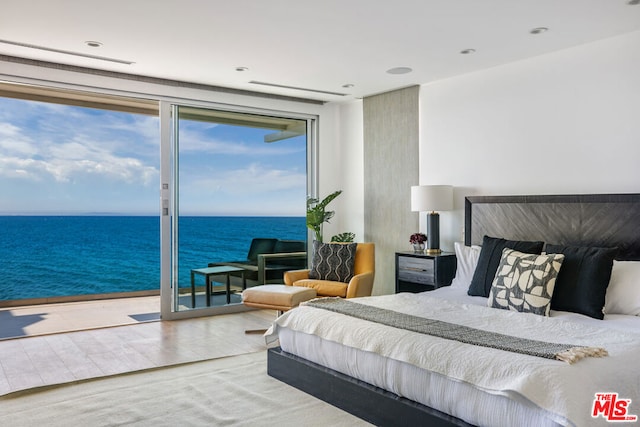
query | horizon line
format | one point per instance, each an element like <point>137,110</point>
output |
<point>243,215</point>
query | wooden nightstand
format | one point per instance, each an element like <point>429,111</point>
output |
<point>418,272</point>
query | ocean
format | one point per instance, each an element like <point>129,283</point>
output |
<point>49,256</point>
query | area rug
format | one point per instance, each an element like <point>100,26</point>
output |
<point>231,391</point>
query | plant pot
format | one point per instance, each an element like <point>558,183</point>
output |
<point>418,247</point>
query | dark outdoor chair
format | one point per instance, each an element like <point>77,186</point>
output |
<point>268,259</point>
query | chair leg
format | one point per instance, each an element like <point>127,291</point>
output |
<point>255,331</point>
<point>261,331</point>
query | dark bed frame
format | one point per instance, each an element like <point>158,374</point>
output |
<point>600,220</point>
<point>596,220</point>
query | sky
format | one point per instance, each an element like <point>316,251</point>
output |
<point>59,159</point>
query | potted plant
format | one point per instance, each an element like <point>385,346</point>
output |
<point>317,213</point>
<point>346,237</point>
<point>418,241</point>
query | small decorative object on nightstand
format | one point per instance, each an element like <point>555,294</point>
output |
<point>418,240</point>
<point>419,272</point>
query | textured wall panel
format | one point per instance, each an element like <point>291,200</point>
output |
<point>391,137</point>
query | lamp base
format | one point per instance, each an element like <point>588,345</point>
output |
<point>433,233</point>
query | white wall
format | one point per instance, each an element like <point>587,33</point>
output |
<point>348,154</point>
<point>561,123</point>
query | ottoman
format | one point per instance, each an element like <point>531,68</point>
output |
<point>276,297</point>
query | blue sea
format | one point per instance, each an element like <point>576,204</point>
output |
<point>47,256</point>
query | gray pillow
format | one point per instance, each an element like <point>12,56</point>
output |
<point>333,261</point>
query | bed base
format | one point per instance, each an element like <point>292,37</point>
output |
<point>365,401</point>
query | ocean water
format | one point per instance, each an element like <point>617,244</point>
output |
<point>46,256</point>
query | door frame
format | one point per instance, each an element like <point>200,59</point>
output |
<point>169,197</point>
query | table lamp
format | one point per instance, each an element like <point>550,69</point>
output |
<point>432,198</point>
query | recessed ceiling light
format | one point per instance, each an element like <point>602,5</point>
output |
<point>539,30</point>
<point>92,43</point>
<point>467,51</point>
<point>399,70</point>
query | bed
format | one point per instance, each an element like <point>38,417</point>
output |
<point>392,376</point>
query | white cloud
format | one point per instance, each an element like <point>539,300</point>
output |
<point>13,167</point>
<point>7,129</point>
<point>254,179</point>
<point>13,142</point>
<point>61,157</point>
<point>68,144</point>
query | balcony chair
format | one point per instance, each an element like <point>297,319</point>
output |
<point>360,285</point>
<point>268,259</point>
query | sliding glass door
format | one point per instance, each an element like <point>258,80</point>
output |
<point>237,188</point>
<point>84,168</point>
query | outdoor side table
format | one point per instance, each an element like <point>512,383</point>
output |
<point>207,273</point>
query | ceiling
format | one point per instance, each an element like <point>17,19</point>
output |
<point>329,50</point>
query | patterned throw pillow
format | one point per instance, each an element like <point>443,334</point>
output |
<point>525,282</point>
<point>333,261</point>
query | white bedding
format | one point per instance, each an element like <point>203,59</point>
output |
<point>480,385</point>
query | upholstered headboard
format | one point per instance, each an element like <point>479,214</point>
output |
<point>599,220</point>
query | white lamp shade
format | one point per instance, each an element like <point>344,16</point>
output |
<point>431,198</point>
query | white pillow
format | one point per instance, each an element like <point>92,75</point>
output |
<point>467,260</point>
<point>623,292</point>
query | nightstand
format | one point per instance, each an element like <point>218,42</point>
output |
<point>419,272</point>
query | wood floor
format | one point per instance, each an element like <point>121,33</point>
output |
<point>53,358</point>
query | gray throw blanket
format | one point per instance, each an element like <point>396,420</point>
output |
<point>451,331</point>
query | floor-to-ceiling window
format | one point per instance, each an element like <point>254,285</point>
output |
<point>78,195</point>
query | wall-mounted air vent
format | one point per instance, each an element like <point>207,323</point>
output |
<point>326,92</point>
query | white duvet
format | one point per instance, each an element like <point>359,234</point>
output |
<point>564,392</point>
